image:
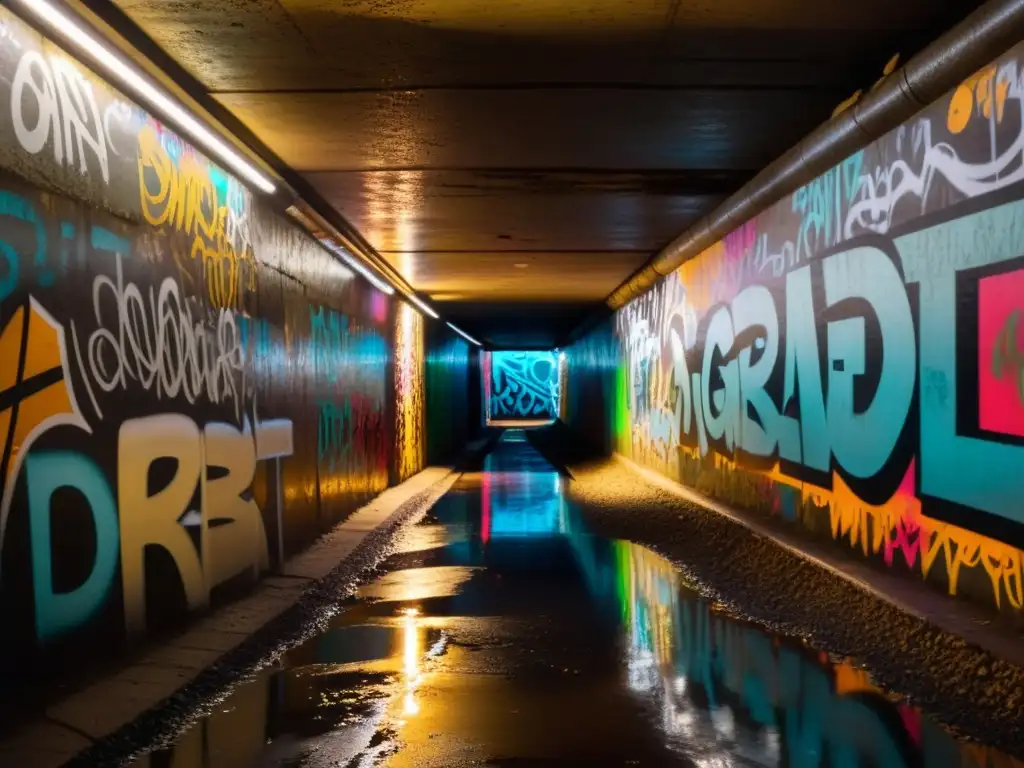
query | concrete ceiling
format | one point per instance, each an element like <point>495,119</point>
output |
<point>517,159</point>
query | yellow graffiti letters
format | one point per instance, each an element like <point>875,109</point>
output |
<point>985,92</point>
<point>236,539</point>
<point>182,195</point>
<point>151,518</point>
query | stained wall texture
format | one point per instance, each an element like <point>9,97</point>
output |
<point>851,361</point>
<point>452,401</point>
<point>521,385</point>
<point>191,388</point>
<point>409,361</point>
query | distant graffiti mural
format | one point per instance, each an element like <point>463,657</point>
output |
<point>522,385</point>
<point>850,360</point>
<point>192,389</point>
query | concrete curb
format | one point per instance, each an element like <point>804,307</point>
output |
<point>956,617</point>
<point>99,711</point>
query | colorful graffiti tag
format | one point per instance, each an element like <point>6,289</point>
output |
<point>191,390</point>
<point>522,385</point>
<point>851,358</point>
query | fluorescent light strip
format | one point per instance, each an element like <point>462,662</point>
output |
<point>358,266</point>
<point>464,335</point>
<point>112,64</point>
<point>422,306</point>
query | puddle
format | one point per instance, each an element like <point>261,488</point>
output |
<point>505,634</point>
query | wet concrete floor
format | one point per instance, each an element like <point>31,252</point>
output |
<point>501,633</point>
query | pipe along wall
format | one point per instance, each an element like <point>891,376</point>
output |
<point>851,361</point>
<point>191,388</point>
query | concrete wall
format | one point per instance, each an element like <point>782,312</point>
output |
<point>190,387</point>
<point>851,361</point>
<point>452,399</point>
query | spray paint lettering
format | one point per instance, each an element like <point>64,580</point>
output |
<point>188,195</point>
<point>168,342</point>
<point>66,115</point>
<point>851,359</point>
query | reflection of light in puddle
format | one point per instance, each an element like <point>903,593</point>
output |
<point>413,656</point>
<point>412,661</point>
<point>426,538</point>
<point>418,583</point>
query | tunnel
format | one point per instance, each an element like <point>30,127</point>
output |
<point>444,383</point>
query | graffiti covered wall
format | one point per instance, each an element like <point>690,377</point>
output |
<point>521,385</point>
<point>190,389</point>
<point>852,360</point>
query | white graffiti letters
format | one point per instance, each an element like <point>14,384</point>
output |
<point>53,103</point>
<point>157,341</point>
<point>732,404</point>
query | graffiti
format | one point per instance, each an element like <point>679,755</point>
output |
<point>52,104</point>
<point>933,173</point>
<point>409,388</point>
<point>523,385</point>
<point>850,360</point>
<point>347,428</point>
<point>349,431</point>
<point>230,526</point>
<point>1008,357</point>
<point>192,389</point>
<point>820,205</point>
<point>184,192</point>
<point>985,93</point>
<point>34,394</point>
<point>157,344</point>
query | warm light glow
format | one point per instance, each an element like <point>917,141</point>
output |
<point>411,656</point>
<point>409,389</point>
<point>464,335</point>
<point>357,265</point>
<point>112,65</point>
<point>422,306</point>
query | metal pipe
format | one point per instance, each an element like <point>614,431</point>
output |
<point>984,35</point>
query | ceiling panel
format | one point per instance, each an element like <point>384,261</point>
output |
<point>420,210</point>
<point>261,45</point>
<point>606,128</point>
<point>522,276</point>
<point>516,325</point>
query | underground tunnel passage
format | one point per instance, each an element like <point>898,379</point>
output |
<point>443,383</point>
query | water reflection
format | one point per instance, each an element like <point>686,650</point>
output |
<point>519,499</point>
<point>729,693</point>
<point>324,703</point>
<point>718,692</point>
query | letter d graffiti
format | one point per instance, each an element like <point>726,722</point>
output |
<point>57,614</point>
